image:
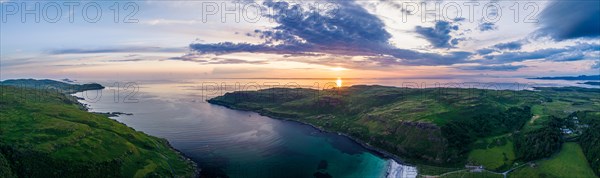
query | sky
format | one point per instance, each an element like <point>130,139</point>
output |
<point>298,39</point>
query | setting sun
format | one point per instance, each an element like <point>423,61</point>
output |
<point>338,82</point>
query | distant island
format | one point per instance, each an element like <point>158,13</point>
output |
<point>450,129</point>
<point>591,83</point>
<point>46,84</point>
<point>581,77</point>
<point>45,132</point>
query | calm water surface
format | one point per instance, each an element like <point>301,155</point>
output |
<point>244,144</point>
<point>235,143</point>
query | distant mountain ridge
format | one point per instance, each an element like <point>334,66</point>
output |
<point>581,77</point>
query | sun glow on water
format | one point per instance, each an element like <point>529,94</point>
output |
<point>338,82</point>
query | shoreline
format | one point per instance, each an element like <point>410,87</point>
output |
<point>396,170</point>
<point>377,151</point>
<point>182,155</point>
<point>86,108</point>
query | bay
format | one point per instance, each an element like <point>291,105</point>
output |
<point>231,143</point>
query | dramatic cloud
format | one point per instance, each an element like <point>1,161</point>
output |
<point>459,19</point>
<point>122,49</point>
<point>509,46</point>
<point>348,25</point>
<point>485,51</point>
<point>571,19</point>
<point>487,26</point>
<point>409,57</point>
<point>569,53</point>
<point>232,61</point>
<point>229,47</point>
<point>568,56</point>
<point>596,66</point>
<point>439,35</point>
<point>349,30</point>
<point>126,60</point>
<point>492,67</point>
<point>215,60</point>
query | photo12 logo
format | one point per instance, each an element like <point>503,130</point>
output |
<point>407,11</point>
<point>69,11</point>
<point>521,11</point>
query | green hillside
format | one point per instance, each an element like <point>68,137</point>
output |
<point>447,127</point>
<point>570,162</point>
<point>45,133</point>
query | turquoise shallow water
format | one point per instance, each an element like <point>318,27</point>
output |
<point>232,143</point>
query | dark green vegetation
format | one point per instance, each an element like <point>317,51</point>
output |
<point>462,132</point>
<point>447,127</point>
<point>51,85</point>
<point>44,133</point>
<point>540,143</point>
<point>590,141</point>
<point>581,77</point>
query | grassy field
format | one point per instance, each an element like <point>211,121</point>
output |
<point>561,102</point>
<point>498,154</point>
<point>467,174</point>
<point>47,134</point>
<point>569,163</point>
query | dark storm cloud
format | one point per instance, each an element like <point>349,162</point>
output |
<point>563,20</point>
<point>439,35</point>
